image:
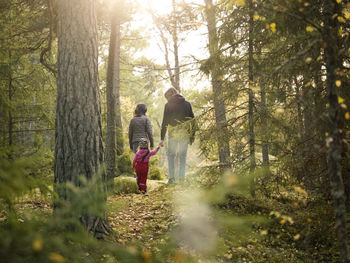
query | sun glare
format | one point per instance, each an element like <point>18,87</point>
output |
<point>160,7</point>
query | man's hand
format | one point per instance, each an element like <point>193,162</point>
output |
<point>161,144</point>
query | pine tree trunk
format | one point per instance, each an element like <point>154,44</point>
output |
<point>300,114</point>
<point>219,104</point>
<point>10,119</point>
<point>120,139</point>
<point>111,102</point>
<point>10,94</point>
<point>307,108</point>
<point>78,149</point>
<point>334,141</point>
<point>251,97</point>
<point>265,146</point>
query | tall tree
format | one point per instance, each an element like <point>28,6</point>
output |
<point>79,149</point>
<point>332,53</point>
<point>112,90</point>
<point>223,140</point>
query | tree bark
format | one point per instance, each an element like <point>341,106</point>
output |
<point>300,114</point>
<point>111,100</point>
<point>334,141</point>
<point>251,97</point>
<point>265,146</point>
<point>120,139</point>
<point>78,149</point>
<point>219,104</point>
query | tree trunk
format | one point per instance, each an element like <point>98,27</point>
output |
<point>10,122</point>
<point>120,139</point>
<point>265,146</point>
<point>300,114</point>
<point>307,108</point>
<point>219,104</point>
<point>111,102</point>
<point>251,97</point>
<point>176,49</point>
<point>78,149</point>
<point>334,141</point>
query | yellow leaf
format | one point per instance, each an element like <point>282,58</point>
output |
<point>327,105</point>
<point>340,31</point>
<point>283,221</point>
<point>310,28</point>
<point>340,100</point>
<point>263,18</point>
<point>347,116</point>
<point>347,15</point>
<point>56,257</point>
<point>308,60</point>
<point>147,256</point>
<point>273,27</point>
<point>37,244</point>
<point>341,19</point>
<point>338,83</point>
<point>232,180</point>
<point>256,17</point>
<point>326,134</point>
<point>263,232</point>
<point>309,220</point>
<point>339,1</point>
<point>240,2</point>
<point>296,237</point>
<point>308,84</point>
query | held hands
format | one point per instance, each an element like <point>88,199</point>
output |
<point>161,144</point>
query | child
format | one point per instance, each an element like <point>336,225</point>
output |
<point>140,163</point>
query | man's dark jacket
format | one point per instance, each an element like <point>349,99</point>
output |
<point>176,110</point>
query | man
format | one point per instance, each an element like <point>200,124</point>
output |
<point>179,119</point>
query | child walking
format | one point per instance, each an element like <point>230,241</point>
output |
<point>140,163</point>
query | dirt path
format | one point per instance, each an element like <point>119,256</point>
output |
<point>144,218</point>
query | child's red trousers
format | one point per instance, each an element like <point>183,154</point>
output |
<point>142,172</point>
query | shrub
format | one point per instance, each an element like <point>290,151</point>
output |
<point>155,173</point>
<point>125,185</point>
<point>124,163</point>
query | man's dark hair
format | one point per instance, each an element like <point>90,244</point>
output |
<point>170,92</point>
<point>141,109</point>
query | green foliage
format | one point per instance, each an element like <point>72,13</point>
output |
<point>124,163</point>
<point>155,173</point>
<point>125,185</point>
<point>21,176</point>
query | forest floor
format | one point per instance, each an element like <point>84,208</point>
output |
<point>289,231</point>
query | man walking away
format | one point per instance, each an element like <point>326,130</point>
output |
<point>178,118</point>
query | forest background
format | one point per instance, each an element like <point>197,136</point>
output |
<point>268,81</point>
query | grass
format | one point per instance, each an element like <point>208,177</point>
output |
<point>299,229</point>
